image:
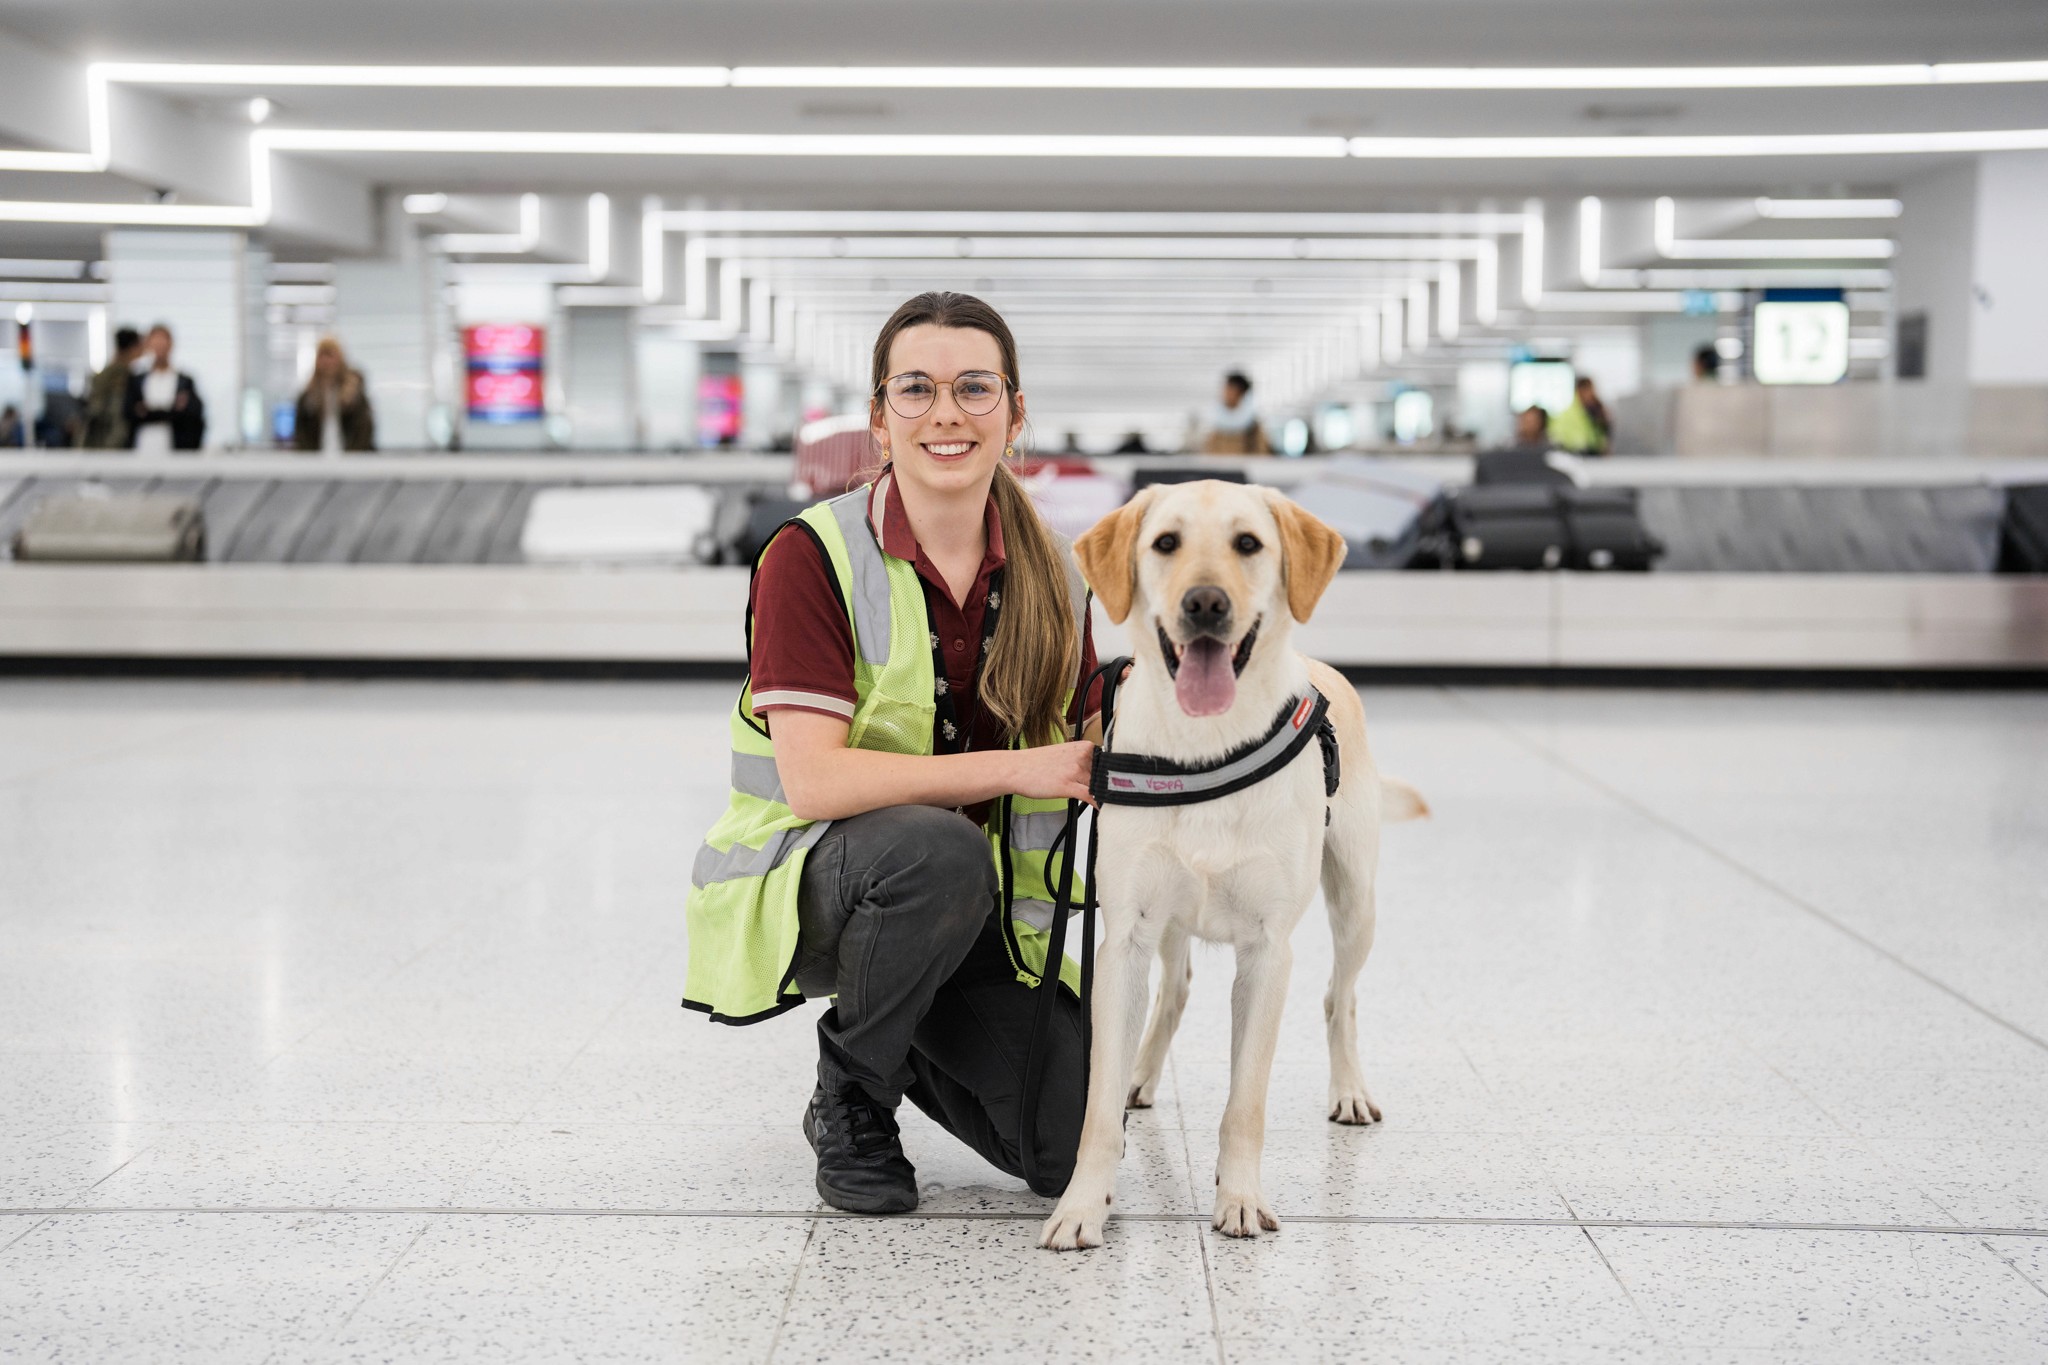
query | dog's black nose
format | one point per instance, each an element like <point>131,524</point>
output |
<point>1206,608</point>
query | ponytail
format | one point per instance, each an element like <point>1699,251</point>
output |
<point>1036,655</point>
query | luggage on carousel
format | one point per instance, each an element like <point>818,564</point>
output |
<point>1543,526</point>
<point>1505,526</point>
<point>1606,531</point>
<point>2023,540</point>
<point>96,525</point>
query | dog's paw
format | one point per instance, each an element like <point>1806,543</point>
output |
<point>1073,1227</point>
<point>1350,1104</point>
<point>1243,1215</point>
<point>1140,1096</point>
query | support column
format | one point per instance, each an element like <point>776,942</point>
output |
<point>1972,304</point>
<point>598,379</point>
<point>668,368</point>
<point>195,283</point>
<point>387,316</point>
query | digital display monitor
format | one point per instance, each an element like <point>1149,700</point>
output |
<point>1800,341</point>
<point>1545,384</point>
<point>504,366</point>
<point>719,399</point>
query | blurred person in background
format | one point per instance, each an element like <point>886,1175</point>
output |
<point>106,399</point>
<point>1706,366</point>
<point>1233,426</point>
<point>1582,428</point>
<point>1532,432</point>
<point>164,409</point>
<point>334,408</point>
<point>1527,460</point>
<point>12,432</point>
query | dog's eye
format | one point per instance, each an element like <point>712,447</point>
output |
<point>1167,543</point>
<point>1248,544</point>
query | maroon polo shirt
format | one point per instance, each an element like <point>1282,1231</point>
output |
<point>803,644</point>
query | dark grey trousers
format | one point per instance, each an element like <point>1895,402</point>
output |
<point>899,912</point>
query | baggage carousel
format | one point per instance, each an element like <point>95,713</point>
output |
<point>1865,567</point>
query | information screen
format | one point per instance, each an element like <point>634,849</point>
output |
<point>1545,384</point>
<point>719,409</point>
<point>504,367</point>
<point>1802,341</point>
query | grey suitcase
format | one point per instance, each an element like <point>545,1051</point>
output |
<point>93,525</point>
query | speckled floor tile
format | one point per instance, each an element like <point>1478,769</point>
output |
<point>52,1165</point>
<point>1378,1171</point>
<point>341,1164</point>
<point>189,1287</point>
<point>710,1082</point>
<point>1335,1291</point>
<point>880,1289</point>
<point>1883,1296</point>
<point>1986,1182</point>
<point>1713,1178</point>
<point>428,1088</point>
<point>578,1289</point>
<point>1449,1098</point>
<point>2010,1105</point>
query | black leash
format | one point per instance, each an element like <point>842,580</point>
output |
<point>1111,675</point>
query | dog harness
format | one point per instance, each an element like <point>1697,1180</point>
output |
<point>1120,779</point>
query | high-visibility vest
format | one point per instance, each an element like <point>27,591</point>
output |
<point>743,887</point>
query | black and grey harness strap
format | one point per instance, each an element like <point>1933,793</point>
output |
<point>1139,780</point>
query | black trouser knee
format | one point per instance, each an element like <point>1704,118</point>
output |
<point>890,904</point>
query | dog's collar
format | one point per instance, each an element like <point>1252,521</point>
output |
<point>1121,779</point>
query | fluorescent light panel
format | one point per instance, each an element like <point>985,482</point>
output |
<point>1084,77</point>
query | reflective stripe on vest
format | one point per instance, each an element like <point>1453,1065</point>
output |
<point>1036,830</point>
<point>715,865</point>
<point>757,775</point>
<point>1037,914</point>
<point>870,604</point>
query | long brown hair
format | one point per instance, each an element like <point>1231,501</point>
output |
<point>1036,654</point>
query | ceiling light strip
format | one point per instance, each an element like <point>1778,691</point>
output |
<point>1079,77</point>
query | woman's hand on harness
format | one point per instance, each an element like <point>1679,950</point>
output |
<point>1055,772</point>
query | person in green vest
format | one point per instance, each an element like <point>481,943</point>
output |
<point>902,754</point>
<point>1582,427</point>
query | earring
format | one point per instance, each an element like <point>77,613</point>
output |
<point>1009,452</point>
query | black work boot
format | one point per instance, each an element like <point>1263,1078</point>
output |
<point>861,1166</point>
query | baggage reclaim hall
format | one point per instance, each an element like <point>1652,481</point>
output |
<point>1643,408</point>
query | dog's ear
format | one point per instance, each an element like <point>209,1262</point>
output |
<point>1106,554</point>
<point>1311,553</point>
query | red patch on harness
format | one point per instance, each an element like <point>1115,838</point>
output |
<point>1308,704</point>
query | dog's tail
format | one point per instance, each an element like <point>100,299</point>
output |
<point>1399,801</point>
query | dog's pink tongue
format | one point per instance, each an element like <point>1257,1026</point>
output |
<point>1206,684</point>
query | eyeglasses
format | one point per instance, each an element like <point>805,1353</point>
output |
<point>976,392</point>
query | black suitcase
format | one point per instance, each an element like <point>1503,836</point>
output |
<point>1144,478</point>
<point>1517,466</point>
<point>765,516</point>
<point>1505,526</point>
<point>1538,526</point>
<point>2023,539</point>
<point>1606,530</point>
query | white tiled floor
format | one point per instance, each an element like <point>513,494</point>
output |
<point>337,1022</point>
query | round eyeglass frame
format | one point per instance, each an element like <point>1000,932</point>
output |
<point>1002,386</point>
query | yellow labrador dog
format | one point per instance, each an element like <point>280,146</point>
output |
<point>1212,577</point>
